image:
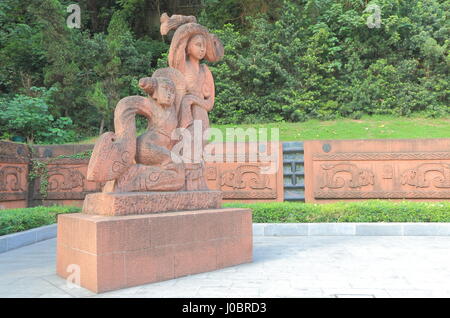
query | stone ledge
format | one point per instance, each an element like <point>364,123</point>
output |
<point>133,203</point>
<point>275,229</point>
<point>351,229</point>
<point>16,240</point>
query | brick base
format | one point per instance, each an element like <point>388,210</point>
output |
<point>123,251</point>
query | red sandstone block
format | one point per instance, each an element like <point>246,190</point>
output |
<point>110,272</point>
<point>218,224</point>
<point>119,252</point>
<point>77,231</point>
<point>161,229</point>
<point>395,169</point>
<point>245,226</point>
<point>194,258</point>
<point>13,204</point>
<point>205,225</point>
<point>124,234</point>
<point>166,229</point>
<point>69,259</point>
<point>147,266</point>
<point>234,251</point>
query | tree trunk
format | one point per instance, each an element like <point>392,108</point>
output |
<point>102,124</point>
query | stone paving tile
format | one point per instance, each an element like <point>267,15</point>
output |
<point>70,289</point>
<point>240,291</point>
<point>282,267</point>
<point>213,292</point>
<point>31,288</point>
<point>207,282</point>
<point>417,293</point>
<point>258,284</point>
<point>355,292</point>
<point>293,293</point>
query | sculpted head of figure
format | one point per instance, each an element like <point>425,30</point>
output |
<point>193,40</point>
<point>196,48</point>
<point>165,92</point>
<point>161,89</point>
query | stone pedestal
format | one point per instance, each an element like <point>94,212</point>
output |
<point>114,252</point>
<point>127,203</point>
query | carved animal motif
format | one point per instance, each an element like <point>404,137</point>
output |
<point>6,174</point>
<point>358,177</point>
<point>245,176</point>
<point>151,178</point>
<point>418,177</point>
<point>115,152</point>
<point>60,179</point>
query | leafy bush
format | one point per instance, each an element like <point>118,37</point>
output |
<point>17,220</point>
<point>30,117</point>
<point>364,211</point>
<point>319,59</point>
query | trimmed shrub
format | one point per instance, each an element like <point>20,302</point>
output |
<point>364,211</point>
<point>17,220</point>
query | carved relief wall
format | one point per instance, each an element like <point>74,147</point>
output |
<point>377,169</point>
<point>240,175</point>
<point>14,160</point>
<point>66,175</point>
<point>248,173</point>
<point>334,170</point>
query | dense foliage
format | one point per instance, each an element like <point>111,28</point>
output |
<point>284,61</point>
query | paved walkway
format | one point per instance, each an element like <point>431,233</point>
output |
<point>283,267</point>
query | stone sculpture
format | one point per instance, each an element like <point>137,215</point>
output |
<point>179,96</point>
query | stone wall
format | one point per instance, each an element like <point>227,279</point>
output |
<point>417,169</point>
<point>14,162</point>
<point>335,170</point>
<point>66,175</point>
<point>65,168</point>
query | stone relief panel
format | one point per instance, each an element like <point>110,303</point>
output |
<point>13,175</point>
<point>11,178</point>
<point>244,181</point>
<point>357,177</point>
<point>428,175</point>
<point>383,169</point>
<point>66,181</point>
<point>247,172</point>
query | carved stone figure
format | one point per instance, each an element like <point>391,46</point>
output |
<point>191,43</point>
<point>358,177</point>
<point>179,96</point>
<point>418,177</point>
<point>245,176</point>
<point>10,178</point>
<point>61,179</point>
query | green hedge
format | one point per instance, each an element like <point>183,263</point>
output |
<point>365,211</point>
<point>17,220</point>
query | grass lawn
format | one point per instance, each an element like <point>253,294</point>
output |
<point>368,127</point>
<point>375,127</point>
